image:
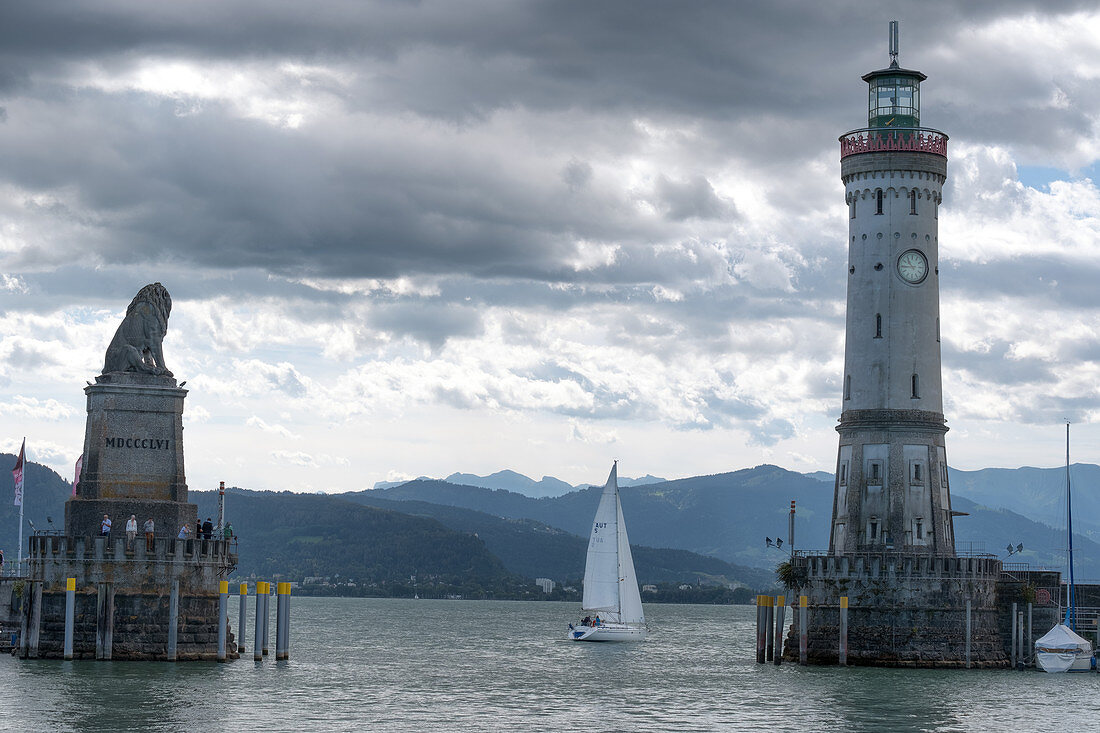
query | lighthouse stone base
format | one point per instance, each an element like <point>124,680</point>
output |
<point>903,611</point>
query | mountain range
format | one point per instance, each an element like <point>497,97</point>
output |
<point>702,529</point>
<point>517,482</point>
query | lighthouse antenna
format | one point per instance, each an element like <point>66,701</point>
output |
<point>893,43</point>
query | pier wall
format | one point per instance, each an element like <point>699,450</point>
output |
<point>903,610</point>
<point>123,597</point>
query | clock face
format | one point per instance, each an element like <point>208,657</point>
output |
<point>912,266</point>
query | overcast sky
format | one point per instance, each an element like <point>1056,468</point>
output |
<point>412,238</point>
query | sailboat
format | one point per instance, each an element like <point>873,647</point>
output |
<point>611,602</point>
<point>1061,649</point>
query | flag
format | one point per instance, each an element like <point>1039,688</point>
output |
<point>76,476</point>
<point>17,473</point>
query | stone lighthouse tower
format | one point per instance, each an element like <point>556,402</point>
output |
<point>891,476</point>
<point>891,590</point>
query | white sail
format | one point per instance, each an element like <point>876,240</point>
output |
<point>601,570</point>
<point>630,601</point>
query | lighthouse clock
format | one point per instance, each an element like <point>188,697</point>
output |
<point>891,490</point>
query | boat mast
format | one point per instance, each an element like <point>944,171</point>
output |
<point>1071,610</point>
<point>618,544</point>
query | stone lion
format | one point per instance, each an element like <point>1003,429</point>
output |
<point>136,346</point>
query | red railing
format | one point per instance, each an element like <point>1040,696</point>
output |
<point>882,139</point>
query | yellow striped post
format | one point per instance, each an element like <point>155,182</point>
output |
<point>769,628</point>
<point>267,613</point>
<point>258,646</point>
<point>242,613</point>
<point>70,615</point>
<point>843,630</point>
<point>223,617</point>
<point>780,615</point>
<point>282,622</point>
<point>803,630</point>
<point>761,615</point>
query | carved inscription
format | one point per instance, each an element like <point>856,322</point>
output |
<point>139,443</point>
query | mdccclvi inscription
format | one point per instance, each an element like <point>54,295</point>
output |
<point>140,443</point>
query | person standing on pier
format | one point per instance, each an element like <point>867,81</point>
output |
<point>148,527</point>
<point>105,526</point>
<point>131,532</point>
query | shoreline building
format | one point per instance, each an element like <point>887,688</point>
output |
<point>892,557</point>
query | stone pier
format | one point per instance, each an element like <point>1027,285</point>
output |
<point>123,597</point>
<point>903,610</point>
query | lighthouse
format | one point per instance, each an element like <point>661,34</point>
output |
<point>891,489</point>
<point>891,590</point>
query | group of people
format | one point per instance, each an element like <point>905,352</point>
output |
<point>589,621</point>
<point>202,529</point>
<point>131,531</point>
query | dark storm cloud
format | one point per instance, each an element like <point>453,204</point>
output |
<point>400,181</point>
<point>432,322</point>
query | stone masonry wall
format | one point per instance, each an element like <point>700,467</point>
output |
<point>902,612</point>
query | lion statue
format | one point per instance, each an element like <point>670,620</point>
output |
<point>136,346</point>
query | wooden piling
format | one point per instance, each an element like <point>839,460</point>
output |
<point>242,616</point>
<point>258,646</point>
<point>267,614</point>
<point>282,622</point>
<point>70,615</point>
<point>780,614</point>
<point>769,628</point>
<point>761,635</point>
<point>968,632</point>
<point>803,632</point>
<point>173,619</point>
<point>1022,655</point>
<point>1031,639</point>
<point>1014,635</point>
<point>843,656</point>
<point>223,620</point>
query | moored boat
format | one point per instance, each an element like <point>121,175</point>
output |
<point>1061,649</point>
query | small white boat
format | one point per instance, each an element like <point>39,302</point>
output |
<point>1061,649</point>
<point>611,600</point>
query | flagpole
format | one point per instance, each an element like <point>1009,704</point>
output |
<point>19,555</point>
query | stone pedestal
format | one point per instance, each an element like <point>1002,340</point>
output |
<point>903,610</point>
<point>133,456</point>
<point>122,597</point>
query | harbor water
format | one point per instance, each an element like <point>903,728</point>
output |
<point>419,665</point>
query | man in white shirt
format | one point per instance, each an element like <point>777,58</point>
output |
<point>105,526</point>
<point>131,531</point>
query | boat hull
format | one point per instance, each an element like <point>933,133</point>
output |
<point>1056,662</point>
<point>607,632</point>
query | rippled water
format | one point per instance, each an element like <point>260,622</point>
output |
<point>395,665</point>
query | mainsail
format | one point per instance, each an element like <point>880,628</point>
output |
<point>610,584</point>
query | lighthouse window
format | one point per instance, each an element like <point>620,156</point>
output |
<point>916,387</point>
<point>878,325</point>
<point>919,527</point>
<point>848,387</point>
<point>878,202</point>
<point>844,473</point>
<point>876,472</point>
<point>874,531</point>
<point>852,208</point>
<point>913,201</point>
<point>916,472</point>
